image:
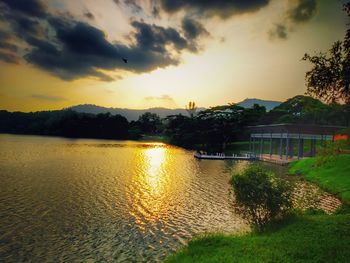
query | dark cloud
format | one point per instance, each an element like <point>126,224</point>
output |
<point>82,50</point>
<point>279,31</point>
<point>299,11</point>
<point>221,8</point>
<point>47,97</point>
<point>193,28</point>
<point>303,11</point>
<point>8,57</point>
<point>33,8</point>
<point>155,38</point>
<point>89,15</point>
<point>155,12</point>
<point>5,42</point>
<point>71,49</point>
<point>134,5</point>
<point>26,27</point>
<point>8,46</point>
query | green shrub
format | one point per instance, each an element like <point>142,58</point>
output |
<point>261,197</point>
<point>329,151</point>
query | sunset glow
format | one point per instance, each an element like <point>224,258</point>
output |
<point>253,52</point>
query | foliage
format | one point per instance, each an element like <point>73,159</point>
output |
<point>307,110</point>
<point>311,238</point>
<point>65,123</point>
<point>330,150</point>
<point>149,123</point>
<point>212,129</point>
<point>260,196</point>
<point>332,176</point>
<point>329,78</point>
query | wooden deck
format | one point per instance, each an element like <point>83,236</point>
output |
<point>275,158</point>
<point>221,156</point>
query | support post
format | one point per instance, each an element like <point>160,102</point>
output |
<point>291,147</point>
<point>300,147</point>
<point>281,145</point>
<point>270,145</point>
<point>313,147</point>
<point>261,144</point>
<point>254,145</point>
<point>287,147</point>
<point>250,143</point>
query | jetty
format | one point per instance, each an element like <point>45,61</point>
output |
<point>222,156</point>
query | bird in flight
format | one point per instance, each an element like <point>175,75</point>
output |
<point>125,60</point>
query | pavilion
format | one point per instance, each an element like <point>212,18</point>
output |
<point>286,141</point>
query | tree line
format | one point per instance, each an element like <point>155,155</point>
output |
<point>213,128</point>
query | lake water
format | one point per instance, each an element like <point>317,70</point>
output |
<point>64,200</point>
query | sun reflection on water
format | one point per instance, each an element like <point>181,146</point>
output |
<point>155,158</point>
<point>151,185</point>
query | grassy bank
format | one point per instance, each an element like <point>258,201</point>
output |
<point>312,238</point>
<point>332,175</point>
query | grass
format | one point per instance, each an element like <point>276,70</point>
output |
<point>333,175</point>
<point>307,238</point>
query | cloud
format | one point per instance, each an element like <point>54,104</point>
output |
<point>279,31</point>
<point>5,42</point>
<point>8,57</point>
<point>8,46</point>
<point>221,8</point>
<point>303,11</point>
<point>163,100</point>
<point>134,5</point>
<point>193,28</point>
<point>89,15</point>
<point>47,97</point>
<point>163,97</point>
<point>32,8</point>
<point>71,49</point>
<point>85,50</point>
<point>298,12</point>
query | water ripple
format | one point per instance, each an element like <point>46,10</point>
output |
<point>106,201</point>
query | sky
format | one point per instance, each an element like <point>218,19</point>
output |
<point>55,54</point>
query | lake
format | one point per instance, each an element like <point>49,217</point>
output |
<point>83,200</point>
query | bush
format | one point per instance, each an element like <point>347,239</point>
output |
<point>260,196</point>
<point>330,151</point>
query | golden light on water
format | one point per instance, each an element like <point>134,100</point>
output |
<point>151,187</point>
<point>155,158</point>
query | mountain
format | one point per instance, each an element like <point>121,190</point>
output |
<point>269,104</point>
<point>130,114</point>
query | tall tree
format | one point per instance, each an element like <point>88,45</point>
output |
<point>329,78</point>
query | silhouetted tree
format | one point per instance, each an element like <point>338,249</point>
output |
<point>149,123</point>
<point>329,79</point>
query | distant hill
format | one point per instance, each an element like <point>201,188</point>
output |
<point>133,114</point>
<point>130,114</point>
<point>269,104</point>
